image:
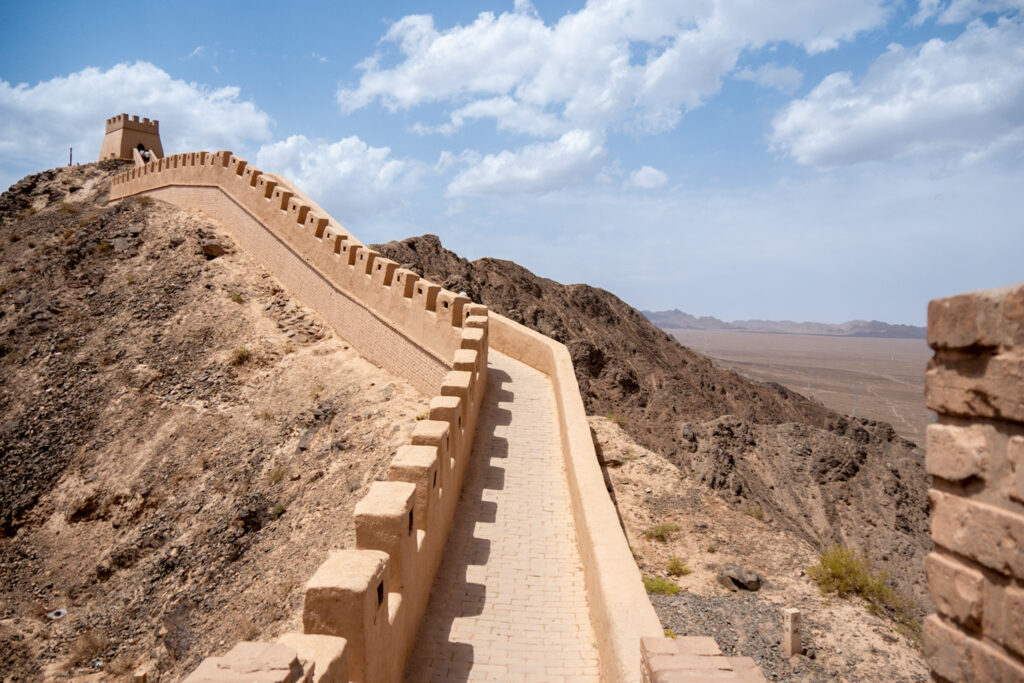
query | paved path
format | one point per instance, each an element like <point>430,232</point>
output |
<point>509,601</point>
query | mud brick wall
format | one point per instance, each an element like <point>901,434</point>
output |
<point>975,453</point>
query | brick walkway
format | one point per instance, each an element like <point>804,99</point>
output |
<point>509,601</point>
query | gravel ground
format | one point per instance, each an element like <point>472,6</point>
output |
<point>744,625</point>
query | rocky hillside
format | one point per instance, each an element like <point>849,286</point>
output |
<point>828,477</point>
<point>181,444</point>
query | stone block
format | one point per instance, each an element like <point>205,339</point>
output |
<point>347,597</point>
<point>418,465</point>
<point>1004,616</point>
<point>385,520</point>
<point>956,453</point>
<point>989,535</point>
<point>986,318</point>
<point>958,658</point>
<point>956,589</point>
<point>1015,455</point>
<point>984,385</point>
<point>252,662</point>
<point>328,654</point>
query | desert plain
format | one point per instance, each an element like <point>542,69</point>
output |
<point>878,379</point>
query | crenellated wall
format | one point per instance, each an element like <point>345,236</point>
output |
<point>975,453</point>
<point>363,606</point>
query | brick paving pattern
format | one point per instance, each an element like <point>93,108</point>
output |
<point>509,601</point>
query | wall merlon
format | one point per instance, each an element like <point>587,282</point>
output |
<point>329,655</point>
<point>418,465</point>
<point>385,521</point>
<point>425,294</point>
<point>384,271</point>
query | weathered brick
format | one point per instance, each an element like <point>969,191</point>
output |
<point>987,534</point>
<point>986,385</point>
<point>986,318</point>
<point>958,590</point>
<point>956,453</point>
<point>1004,616</point>
<point>1015,454</point>
<point>956,657</point>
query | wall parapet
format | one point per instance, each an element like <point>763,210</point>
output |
<point>975,454</point>
<point>362,607</point>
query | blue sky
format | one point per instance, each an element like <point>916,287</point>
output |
<point>810,160</point>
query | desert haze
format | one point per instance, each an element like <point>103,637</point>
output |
<point>879,379</point>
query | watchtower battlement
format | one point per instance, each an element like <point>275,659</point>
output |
<point>124,133</point>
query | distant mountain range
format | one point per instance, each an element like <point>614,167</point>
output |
<point>677,320</point>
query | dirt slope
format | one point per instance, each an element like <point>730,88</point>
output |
<point>848,643</point>
<point>181,443</point>
<point>822,475</point>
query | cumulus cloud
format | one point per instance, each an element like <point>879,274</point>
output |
<point>646,178</point>
<point>39,122</point>
<point>785,79</point>
<point>623,63</point>
<point>534,169</point>
<point>348,177</point>
<point>961,100</point>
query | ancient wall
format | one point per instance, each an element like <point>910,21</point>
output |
<point>975,452</point>
<point>363,606</point>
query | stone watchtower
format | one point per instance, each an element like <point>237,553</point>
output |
<point>124,134</point>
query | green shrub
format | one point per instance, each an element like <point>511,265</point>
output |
<point>661,532</point>
<point>756,511</point>
<point>278,510</point>
<point>677,567</point>
<point>846,571</point>
<point>617,419</point>
<point>277,474</point>
<point>237,298</point>
<point>656,584</point>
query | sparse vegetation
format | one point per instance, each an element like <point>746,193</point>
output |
<point>316,391</point>
<point>277,510</point>
<point>676,567</point>
<point>756,511</point>
<point>845,571</point>
<point>237,298</point>
<point>130,279</point>
<point>277,474</point>
<point>101,248</point>
<point>86,647</point>
<point>659,585</point>
<point>144,200</point>
<point>68,207</point>
<point>669,633</point>
<point>661,532</point>
<point>617,419</point>
<point>240,356</point>
<point>421,416</point>
<point>712,548</point>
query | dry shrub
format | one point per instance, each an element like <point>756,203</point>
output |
<point>87,647</point>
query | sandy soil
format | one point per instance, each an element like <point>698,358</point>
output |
<point>184,441</point>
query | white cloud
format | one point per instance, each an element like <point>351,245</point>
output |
<point>958,100</point>
<point>624,63</point>
<point>534,169</point>
<point>785,79</point>
<point>646,178</point>
<point>39,122</point>
<point>960,11</point>
<point>349,178</point>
